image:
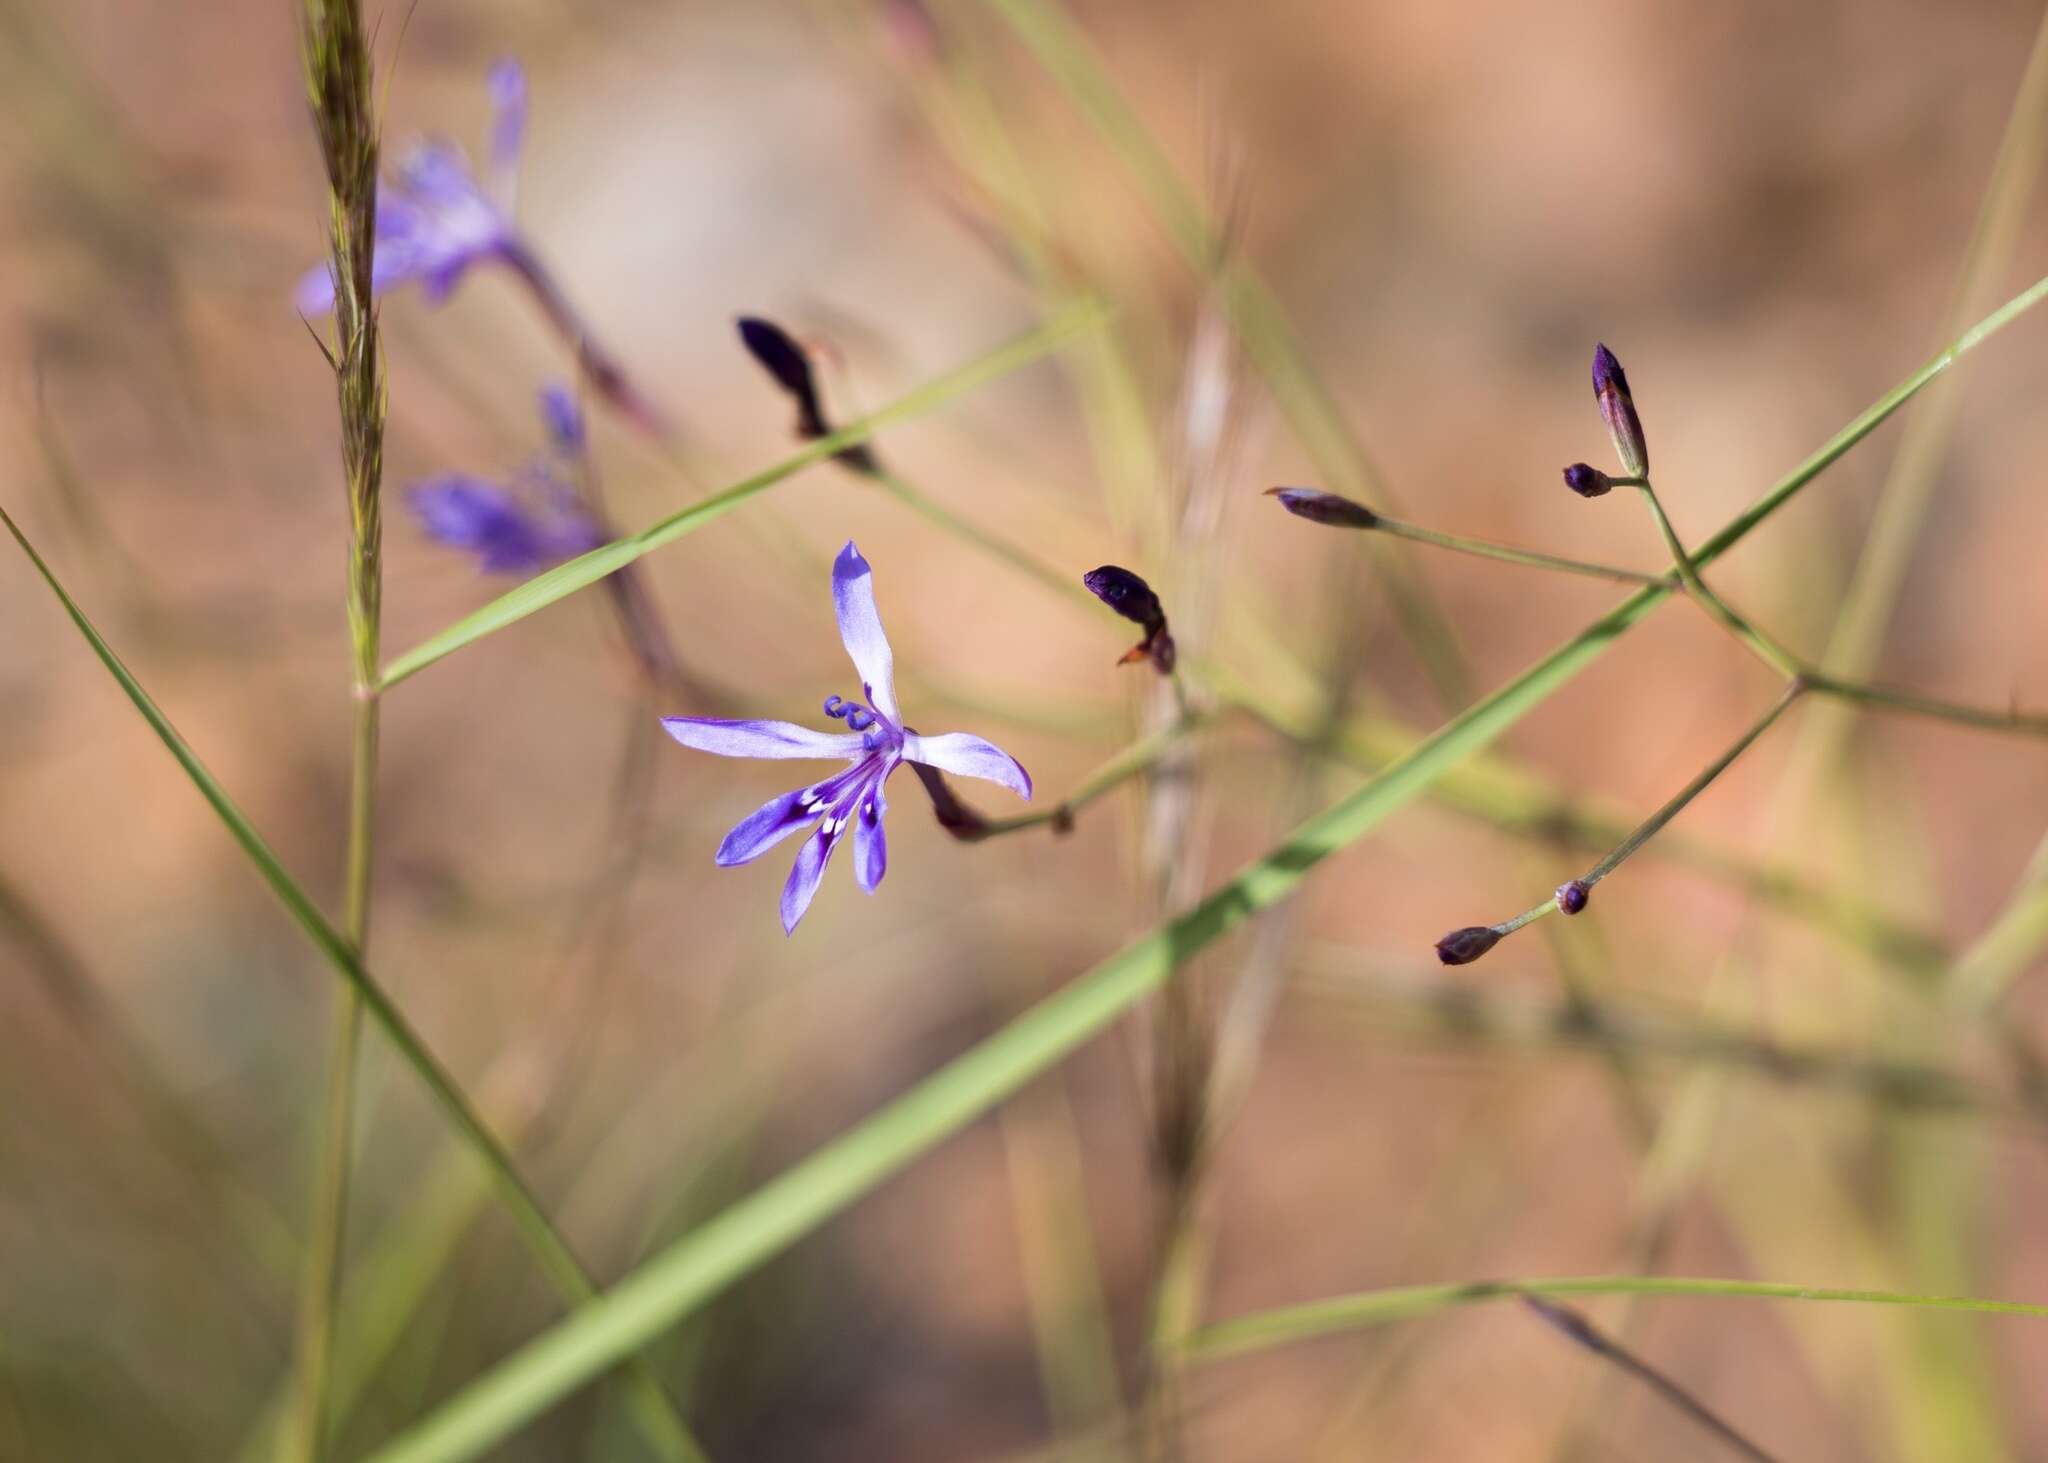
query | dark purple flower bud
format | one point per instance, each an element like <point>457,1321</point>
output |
<point>1572,896</point>
<point>1324,508</point>
<point>790,364</point>
<point>1618,410</point>
<point>1125,593</point>
<point>1587,481</point>
<point>1462,947</point>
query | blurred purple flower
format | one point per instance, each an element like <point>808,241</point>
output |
<point>875,744</point>
<point>535,520</point>
<point>434,217</point>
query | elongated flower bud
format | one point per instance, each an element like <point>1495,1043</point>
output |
<point>1325,508</point>
<point>1133,598</point>
<point>1618,410</point>
<point>1587,481</point>
<point>1462,947</point>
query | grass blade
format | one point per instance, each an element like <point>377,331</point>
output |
<point>563,580</point>
<point>803,1197</point>
<point>1264,1329</point>
<point>663,1427</point>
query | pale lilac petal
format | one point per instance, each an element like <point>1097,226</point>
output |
<point>483,518</point>
<point>773,739</point>
<point>507,84</point>
<point>860,626</point>
<point>969,756</point>
<point>870,843</point>
<point>315,292</point>
<point>767,826</point>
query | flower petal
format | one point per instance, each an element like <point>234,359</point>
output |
<point>767,826</point>
<point>969,756</point>
<point>804,876</point>
<point>470,513</point>
<point>563,416</point>
<point>860,626</point>
<point>774,739</point>
<point>507,85</point>
<point>870,844</point>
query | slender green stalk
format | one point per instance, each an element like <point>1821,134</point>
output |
<point>564,580</point>
<point>991,544</point>
<point>699,1265</point>
<point>1769,651</point>
<point>1507,554</point>
<point>1263,1330</point>
<point>1133,761</point>
<point>338,77</point>
<point>558,1262</point>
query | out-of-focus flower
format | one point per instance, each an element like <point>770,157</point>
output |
<point>1618,410</point>
<point>784,358</point>
<point>874,745</point>
<point>1587,481</point>
<point>1325,508</point>
<point>436,220</point>
<point>534,520</point>
<point>1133,598</point>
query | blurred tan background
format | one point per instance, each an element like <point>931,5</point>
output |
<point>1762,208</point>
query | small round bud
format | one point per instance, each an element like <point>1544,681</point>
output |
<point>1588,481</point>
<point>1572,896</point>
<point>1325,508</point>
<point>1618,410</point>
<point>1462,947</point>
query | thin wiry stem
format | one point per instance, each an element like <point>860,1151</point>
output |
<point>337,65</point>
<point>1582,1331</point>
<point>1508,554</point>
<point>1769,651</point>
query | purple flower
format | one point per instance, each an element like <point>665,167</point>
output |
<point>434,218</point>
<point>533,521</point>
<point>1587,481</point>
<point>874,745</point>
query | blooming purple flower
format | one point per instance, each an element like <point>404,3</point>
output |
<point>535,520</point>
<point>434,217</point>
<point>874,745</point>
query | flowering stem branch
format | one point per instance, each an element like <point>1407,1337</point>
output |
<point>1506,554</point>
<point>1763,646</point>
<point>606,376</point>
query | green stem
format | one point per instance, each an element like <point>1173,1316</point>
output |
<point>1529,558</point>
<point>1264,1329</point>
<point>1766,649</point>
<point>911,497</point>
<point>1133,761</point>
<point>1884,698</point>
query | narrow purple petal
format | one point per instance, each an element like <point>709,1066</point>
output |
<point>507,84</point>
<point>805,875</point>
<point>772,739</point>
<point>563,415</point>
<point>767,826</point>
<point>870,843</point>
<point>860,626</point>
<point>969,756</point>
<point>481,517</point>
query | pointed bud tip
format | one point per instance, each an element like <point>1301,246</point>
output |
<point>1462,947</point>
<point>1325,508</point>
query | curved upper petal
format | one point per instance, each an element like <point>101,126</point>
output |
<point>776,739</point>
<point>860,626</point>
<point>970,756</point>
<point>507,85</point>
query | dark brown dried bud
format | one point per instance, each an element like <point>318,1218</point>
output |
<point>1127,594</point>
<point>1324,508</point>
<point>790,364</point>
<point>1462,947</point>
